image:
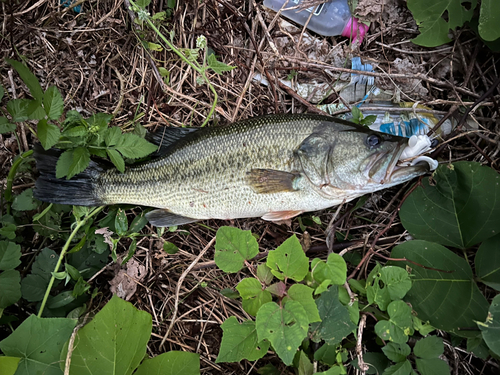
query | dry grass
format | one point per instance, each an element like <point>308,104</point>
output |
<point>97,61</point>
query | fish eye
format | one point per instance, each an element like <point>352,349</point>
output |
<point>434,143</point>
<point>373,140</point>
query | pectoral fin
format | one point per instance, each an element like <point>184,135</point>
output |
<point>165,218</point>
<point>266,181</point>
<point>280,215</point>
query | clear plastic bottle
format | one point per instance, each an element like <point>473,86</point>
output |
<point>330,18</point>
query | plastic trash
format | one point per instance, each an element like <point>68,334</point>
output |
<point>330,18</point>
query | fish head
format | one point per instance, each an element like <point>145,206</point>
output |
<point>357,160</point>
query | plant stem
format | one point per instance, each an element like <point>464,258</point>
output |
<point>63,253</point>
<point>12,175</point>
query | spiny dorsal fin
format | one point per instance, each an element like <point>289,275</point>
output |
<point>167,136</point>
<point>165,218</point>
<point>266,181</point>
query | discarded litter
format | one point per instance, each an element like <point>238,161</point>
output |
<point>328,19</point>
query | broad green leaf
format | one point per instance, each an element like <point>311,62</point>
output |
<point>390,283</point>
<point>254,297</point>
<point>10,255</point>
<point>305,366</point>
<point>81,160</point>
<point>33,285</point>
<point>334,269</point>
<point>133,147</point>
<point>64,163</point>
<point>48,134</point>
<point>18,109</point>
<point>423,327</point>
<point>170,248</point>
<point>142,3</point>
<point>326,354</point>
<point>9,365</point>
<point>491,327</point>
<point>288,260</point>
<point>489,18</point>
<point>28,78</point>
<point>171,363</point>
<point>432,25</point>
<point>53,103</point>
<point>429,347</point>
<point>75,132</point>
<point>10,288</point>
<point>264,274</point>
<point>116,159</point>
<point>6,126</point>
<point>432,366</point>
<point>478,347</point>
<point>25,201</point>
<point>218,66</point>
<point>487,262</point>
<point>396,352</point>
<point>284,326</point>
<point>304,295</point>
<point>334,370</point>
<point>121,222</point>
<point>444,293</point>
<point>399,326</point>
<point>38,342</point>
<point>110,344</point>
<point>401,368</point>
<point>335,320</point>
<point>377,362</point>
<point>460,209</point>
<point>239,341</point>
<point>112,136</point>
<point>232,247</point>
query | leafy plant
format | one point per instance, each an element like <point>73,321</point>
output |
<point>436,18</point>
<point>359,118</point>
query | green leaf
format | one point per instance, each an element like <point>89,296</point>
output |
<point>399,326</point>
<point>112,136</point>
<point>304,295</point>
<point>487,262</point>
<point>395,284</point>
<point>171,363</point>
<point>48,134</point>
<point>10,255</point>
<point>432,366</point>
<point>142,3</point>
<point>334,269</point>
<point>2,92</point>
<point>445,293</point>
<point>396,352</point>
<point>401,368</point>
<point>239,341</point>
<point>116,159</point>
<point>72,162</point>
<point>423,327</point>
<point>25,201</point>
<point>288,260</point>
<point>9,365</point>
<point>432,25</point>
<point>305,366</point>
<point>121,222</point>
<point>155,47</point>
<point>133,147</point>
<point>232,247</point>
<point>64,163</point>
<point>28,78</point>
<point>284,326</point>
<point>429,347</point>
<point>33,285</point>
<point>38,342</point>
<point>10,288</point>
<point>53,103</point>
<point>460,209</point>
<point>218,66</point>
<point>491,327</point>
<point>254,297</point>
<point>489,18</point>
<point>335,320</point>
<point>264,274</point>
<point>6,126</point>
<point>109,344</point>
<point>19,109</point>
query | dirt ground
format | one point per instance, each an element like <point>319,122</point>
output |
<point>99,64</point>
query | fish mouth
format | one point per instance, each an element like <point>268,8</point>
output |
<point>397,168</point>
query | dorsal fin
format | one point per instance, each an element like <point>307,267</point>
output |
<point>167,136</point>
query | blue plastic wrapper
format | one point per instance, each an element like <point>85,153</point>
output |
<point>67,3</point>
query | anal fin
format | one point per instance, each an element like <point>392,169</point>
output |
<point>165,218</point>
<point>266,181</point>
<point>280,215</point>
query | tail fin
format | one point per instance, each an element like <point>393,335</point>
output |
<point>78,191</point>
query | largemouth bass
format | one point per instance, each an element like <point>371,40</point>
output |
<point>274,167</point>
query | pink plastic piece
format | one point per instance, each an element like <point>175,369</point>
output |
<point>358,29</point>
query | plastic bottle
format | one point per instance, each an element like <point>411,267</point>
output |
<point>328,19</point>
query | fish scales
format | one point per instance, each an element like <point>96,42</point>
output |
<point>206,177</point>
<point>275,167</point>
